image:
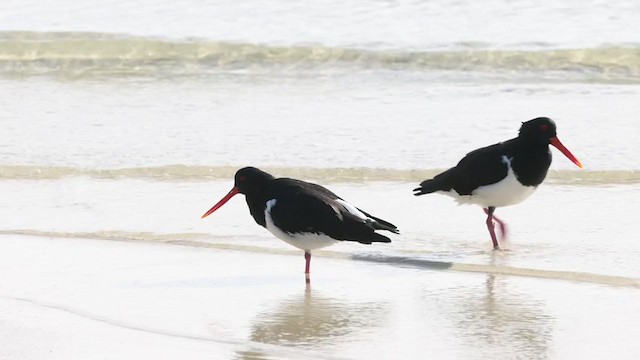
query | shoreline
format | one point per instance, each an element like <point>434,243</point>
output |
<point>411,259</point>
<point>93,299</point>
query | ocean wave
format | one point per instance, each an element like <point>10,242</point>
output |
<point>211,173</point>
<point>228,243</point>
<point>111,235</point>
<point>100,54</point>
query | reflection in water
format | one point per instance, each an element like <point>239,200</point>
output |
<point>314,319</point>
<point>500,322</point>
<point>511,320</point>
<point>252,355</point>
<point>311,320</point>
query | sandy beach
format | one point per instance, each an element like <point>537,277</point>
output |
<point>100,299</point>
<point>122,122</point>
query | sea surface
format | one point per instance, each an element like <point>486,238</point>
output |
<point>124,120</point>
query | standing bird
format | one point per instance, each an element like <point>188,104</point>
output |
<point>502,174</point>
<point>305,215</point>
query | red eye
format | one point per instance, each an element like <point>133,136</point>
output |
<point>242,178</point>
<point>544,127</point>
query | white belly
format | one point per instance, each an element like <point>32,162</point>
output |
<point>303,241</point>
<point>508,191</point>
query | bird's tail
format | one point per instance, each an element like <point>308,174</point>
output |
<point>379,238</point>
<point>365,232</point>
<point>439,183</point>
<point>426,187</point>
<point>379,224</point>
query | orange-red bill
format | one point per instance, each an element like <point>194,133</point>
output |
<point>222,201</point>
<point>556,142</point>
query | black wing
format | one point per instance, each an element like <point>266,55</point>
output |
<point>307,186</point>
<point>302,211</point>
<point>480,167</point>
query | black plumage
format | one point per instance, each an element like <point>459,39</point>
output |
<point>304,214</point>
<point>502,174</point>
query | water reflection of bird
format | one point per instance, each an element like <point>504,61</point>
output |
<point>311,319</point>
<point>499,322</point>
<point>511,320</point>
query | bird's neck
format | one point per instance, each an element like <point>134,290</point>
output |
<point>257,203</point>
<point>532,162</point>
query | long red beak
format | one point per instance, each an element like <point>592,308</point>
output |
<point>556,142</point>
<point>222,201</point>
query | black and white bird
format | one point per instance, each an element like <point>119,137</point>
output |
<point>305,215</point>
<point>502,174</point>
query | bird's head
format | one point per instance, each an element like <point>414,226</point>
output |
<point>543,130</point>
<point>248,181</point>
<point>251,180</point>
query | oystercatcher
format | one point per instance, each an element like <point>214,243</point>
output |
<point>305,215</point>
<point>502,174</point>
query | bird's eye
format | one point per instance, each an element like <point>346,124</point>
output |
<point>544,127</point>
<point>242,178</point>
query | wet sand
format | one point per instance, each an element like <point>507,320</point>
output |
<point>97,299</point>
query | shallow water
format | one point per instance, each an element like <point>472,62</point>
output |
<point>231,304</point>
<point>302,124</point>
<point>560,228</point>
<point>126,121</point>
<point>407,24</point>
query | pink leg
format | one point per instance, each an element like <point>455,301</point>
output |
<point>491,227</point>
<point>307,257</point>
<point>503,226</point>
